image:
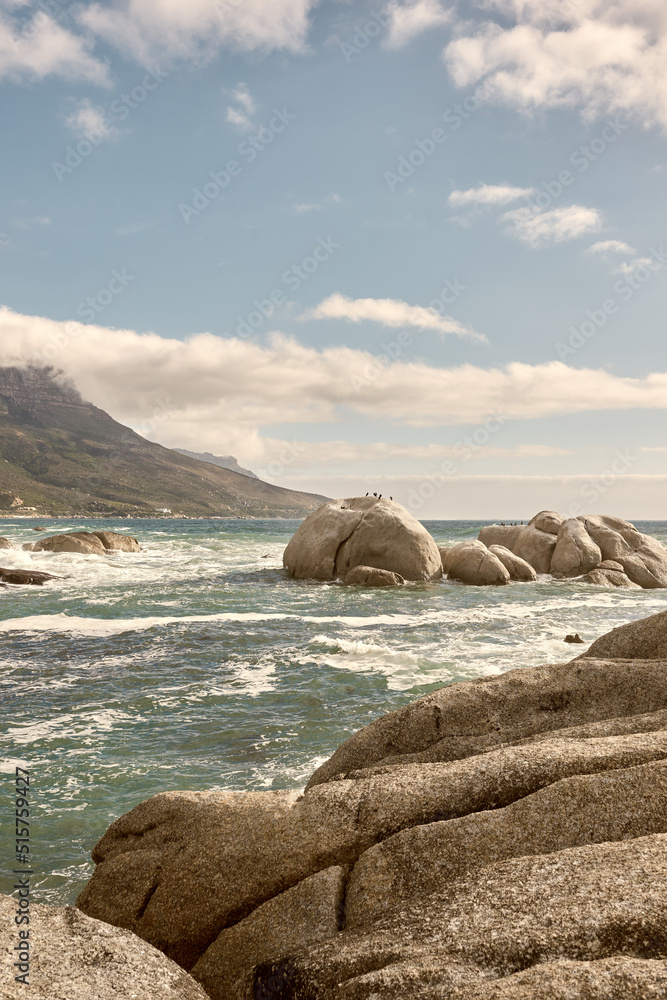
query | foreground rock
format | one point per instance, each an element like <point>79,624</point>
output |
<point>5,544</point>
<point>362,531</point>
<point>605,551</point>
<point>501,838</point>
<point>645,639</point>
<point>471,562</point>
<point>75,957</point>
<point>25,576</point>
<point>86,543</point>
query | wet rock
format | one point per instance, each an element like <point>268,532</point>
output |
<point>25,576</point>
<point>361,531</point>
<point>610,578</point>
<point>77,958</point>
<point>368,576</point>
<point>573,638</point>
<point>5,544</point>
<point>87,543</point>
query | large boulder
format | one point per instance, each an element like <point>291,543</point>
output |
<point>576,552</point>
<point>644,559</point>
<point>75,957</point>
<point>517,568</point>
<point>361,531</point>
<point>535,861</point>
<point>87,543</point>
<point>471,562</point>
<point>547,520</point>
<point>5,544</point>
<point>527,541</point>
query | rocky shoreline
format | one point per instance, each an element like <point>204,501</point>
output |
<point>498,839</point>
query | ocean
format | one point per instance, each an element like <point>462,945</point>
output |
<point>198,664</point>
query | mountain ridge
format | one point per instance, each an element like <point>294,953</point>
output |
<point>63,456</point>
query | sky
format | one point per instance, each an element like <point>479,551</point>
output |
<point>417,248</point>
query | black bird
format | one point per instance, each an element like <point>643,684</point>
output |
<point>366,494</point>
<point>375,494</point>
<point>391,498</point>
<point>379,496</point>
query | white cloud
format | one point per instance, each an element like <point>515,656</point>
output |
<point>389,312</point>
<point>86,117</point>
<point>303,207</point>
<point>537,228</point>
<point>488,194</point>
<point>611,246</point>
<point>408,20</point>
<point>241,117</point>
<point>600,56</point>
<point>183,392</point>
<point>238,118</point>
<point>167,29</point>
<point>41,47</point>
<point>632,267</point>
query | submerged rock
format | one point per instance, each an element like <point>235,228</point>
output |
<point>75,957</point>
<point>362,531</point>
<point>25,576</point>
<point>368,576</point>
<point>610,578</point>
<point>87,543</point>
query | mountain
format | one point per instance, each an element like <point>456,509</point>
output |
<point>222,461</point>
<point>64,456</point>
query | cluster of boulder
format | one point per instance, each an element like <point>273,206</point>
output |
<point>377,542</point>
<point>498,839</point>
<point>84,542</point>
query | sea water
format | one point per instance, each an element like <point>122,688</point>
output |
<point>198,664</point>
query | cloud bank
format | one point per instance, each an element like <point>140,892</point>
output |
<point>213,392</point>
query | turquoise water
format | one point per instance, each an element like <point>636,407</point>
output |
<point>198,664</point>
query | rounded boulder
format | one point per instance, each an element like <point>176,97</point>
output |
<point>361,531</point>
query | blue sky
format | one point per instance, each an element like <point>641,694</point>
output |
<point>414,247</point>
